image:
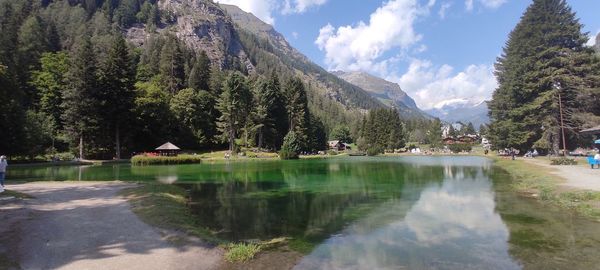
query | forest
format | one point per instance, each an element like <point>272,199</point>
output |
<point>71,83</point>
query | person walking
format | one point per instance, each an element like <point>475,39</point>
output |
<point>597,158</point>
<point>3,165</point>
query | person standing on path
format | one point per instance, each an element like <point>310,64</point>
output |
<point>3,165</point>
<point>597,158</point>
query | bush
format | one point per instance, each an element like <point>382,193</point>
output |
<point>142,160</point>
<point>563,161</point>
<point>241,252</point>
<point>374,150</point>
<point>332,152</point>
<point>460,147</point>
<point>291,146</point>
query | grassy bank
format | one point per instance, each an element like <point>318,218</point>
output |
<point>537,182</point>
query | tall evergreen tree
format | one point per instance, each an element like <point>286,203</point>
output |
<point>234,105</point>
<point>200,74</point>
<point>544,65</point>
<point>80,100</point>
<point>116,91</point>
<point>297,109</point>
<point>172,65</point>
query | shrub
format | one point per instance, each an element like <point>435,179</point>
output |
<point>241,252</point>
<point>290,147</point>
<point>375,150</point>
<point>142,160</point>
<point>460,147</point>
<point>563,161</point>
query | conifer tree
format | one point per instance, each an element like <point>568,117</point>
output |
<point>200,74</point>
<point>116,91</point>
<point>234,105</point>
<point>171,65</point>
<point>544,65</point>
<point>80,100</point>
<point>297,109</point>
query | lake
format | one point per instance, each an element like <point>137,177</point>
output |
<point>372,213</point>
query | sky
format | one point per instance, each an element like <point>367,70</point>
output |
<point>439,51</point>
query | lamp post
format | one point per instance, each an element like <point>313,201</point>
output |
<point>562,124</point>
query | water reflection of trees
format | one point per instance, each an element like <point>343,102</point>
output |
<point>310,199</point>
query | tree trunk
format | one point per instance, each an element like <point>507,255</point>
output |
<point>556,142</point>
<point>260,138</point>
<point>81,147</point>
<point>118,142</point>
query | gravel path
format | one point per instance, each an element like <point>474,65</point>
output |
<point>89,226</point>
<point>575,176</point>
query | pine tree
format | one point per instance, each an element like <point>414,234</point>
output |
<point>116,91</point>
<point>171,65</point>
<point>297,109</point>
<point>544,64</point>
<point>200,74</point>
<point>234,105</point>
<point>80,112</point>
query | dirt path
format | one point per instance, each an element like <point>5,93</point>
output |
<point>576,176</point>
<point>89,226</point>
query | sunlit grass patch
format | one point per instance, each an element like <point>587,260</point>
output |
<point>241,252</point>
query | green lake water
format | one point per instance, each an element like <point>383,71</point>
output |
<point>372,213</point>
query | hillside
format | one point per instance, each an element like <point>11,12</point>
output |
<point>388,93</point>
<point>266,47</point>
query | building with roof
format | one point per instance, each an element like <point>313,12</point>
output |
<point>168,149</point>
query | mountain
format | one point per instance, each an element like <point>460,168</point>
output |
<point>267,49</point>
<point>237,40</point>
<point>388,93</point>
<point>462,111</point>
<point>597,45</point>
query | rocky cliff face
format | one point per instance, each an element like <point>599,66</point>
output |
<point>202,25</point>
<point>222,32</point>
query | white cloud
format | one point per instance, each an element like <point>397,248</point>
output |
<point>360,46</point>
<point>260,8</point>
<point>295,35</point>
<point>300,6</point>
<point>469,4</point>
<point>592,41</point>
<point>443,9</point>
<point>432,86</point>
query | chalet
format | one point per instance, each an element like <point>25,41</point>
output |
<point>336,145</point>
<point>449,140</point>
<point>467,138</point>
<point>168,149</point>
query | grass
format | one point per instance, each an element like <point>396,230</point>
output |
<point>141,160</point>
<point>537,182</point>
<point>164,206</point>
<point>18,195</point>
<point>241,252</point>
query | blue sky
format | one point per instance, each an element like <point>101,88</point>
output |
<point>439,51</point>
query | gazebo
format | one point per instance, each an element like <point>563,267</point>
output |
<point>168,149</point>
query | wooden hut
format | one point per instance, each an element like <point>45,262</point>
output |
<point>168,149</point>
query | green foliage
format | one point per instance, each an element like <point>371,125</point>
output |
<point>241,252</point>
<point>563,161</point>
<point>297,108</point>
<point>341,133</point>
<point>375,150</point>
<point>195,112</point>
<point>49,81</point>
<point>382,130</point>
<point>291,146</point>
<point>234,106</point>
<point>460,147</point>
<point>142,160</point>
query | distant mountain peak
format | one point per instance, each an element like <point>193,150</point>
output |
<point>387,92</point>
